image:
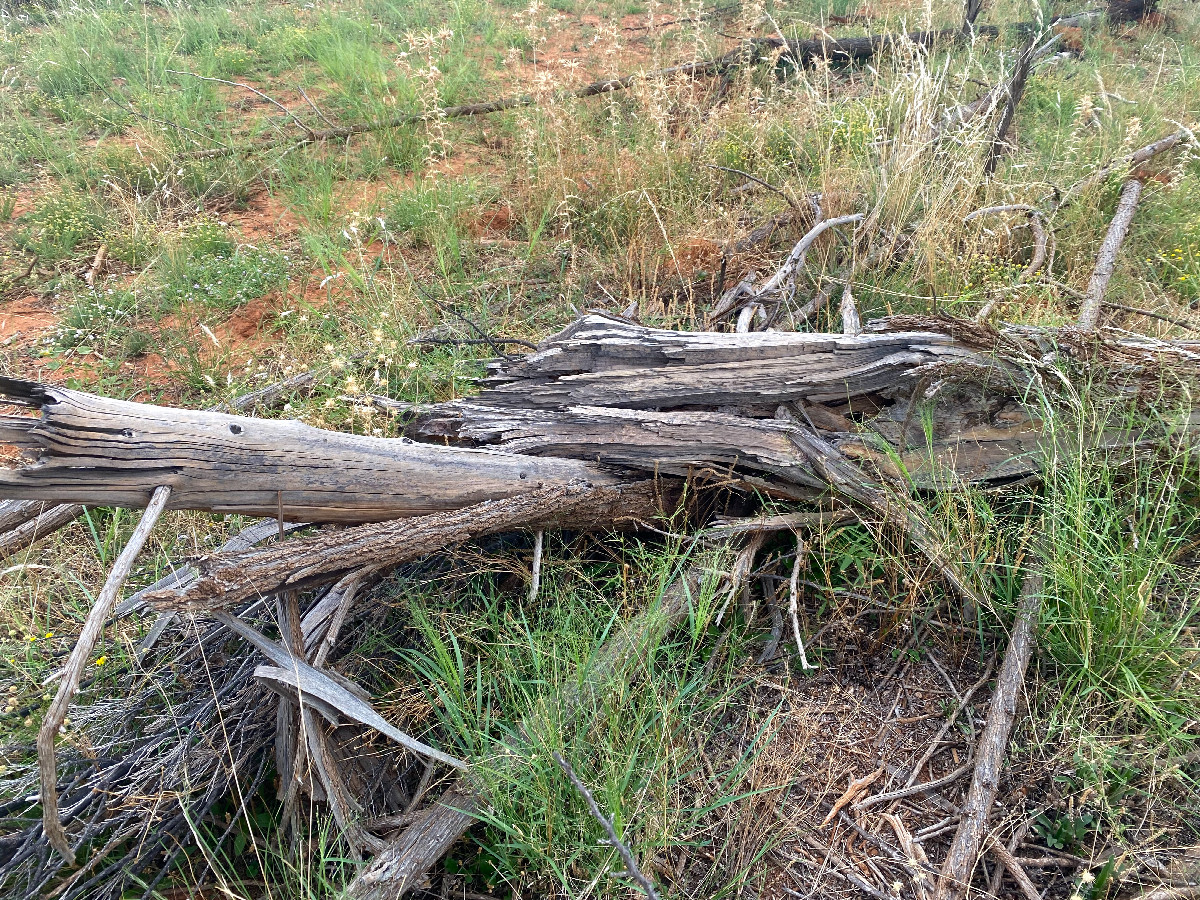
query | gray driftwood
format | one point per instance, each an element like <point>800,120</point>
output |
<point>90,449</point>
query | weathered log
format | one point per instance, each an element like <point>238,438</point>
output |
<point>113,453</point>
<point>602,361</point>
<point>673,443</point>
<point>302,562</point>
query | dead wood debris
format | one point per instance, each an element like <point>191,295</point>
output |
<point>567,437</point>
<point>803,52</point>
<point>955,877</point>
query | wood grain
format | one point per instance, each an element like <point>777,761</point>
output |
<point>113,453</point>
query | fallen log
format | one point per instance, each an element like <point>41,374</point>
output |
<point>114,453</point>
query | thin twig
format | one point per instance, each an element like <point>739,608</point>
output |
<point>536,580</point>
<point>962,704</point>
<point>1170,320</point>
<point>631,866</point>
<point>770,187</point>
<point>300,123</point>
<point>88,636</point>
<point>794,602</point>
<point>914,789</point>
<point>315,108</point>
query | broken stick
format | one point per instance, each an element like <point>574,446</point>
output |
<point>955,876</point>
<point>1106,259</point>
<point>88,637</point>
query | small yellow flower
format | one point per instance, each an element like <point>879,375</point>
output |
<point>101,660</point>
<point>49,634</point>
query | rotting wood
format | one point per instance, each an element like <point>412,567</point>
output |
<point>602,361</point>
<point>661,401</point>
<point>955,877</point>
<point>88,636</point>
<point>14,538</point>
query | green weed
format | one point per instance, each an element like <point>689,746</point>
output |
<point>224,280</point>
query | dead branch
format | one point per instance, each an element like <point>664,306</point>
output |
<point>50,519</point>
<point>88,636</point>
<point>851,324</point>
<point>232,578</point>
<point>333,694</point>
<point>760,181</point>
<point>743,563</point>
<point>1013,92</point>
<point>1106,259</point>
<point>632,870</point>
<point>913,789</point>
<point>955,877</point>
<point>853,790</point>
<point>535,579</point>
<point>803,52</point>
<point>1018,873</point>
<point>794,602</point>
<point>1127,163</point>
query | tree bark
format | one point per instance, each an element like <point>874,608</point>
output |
<point>228,579</point>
